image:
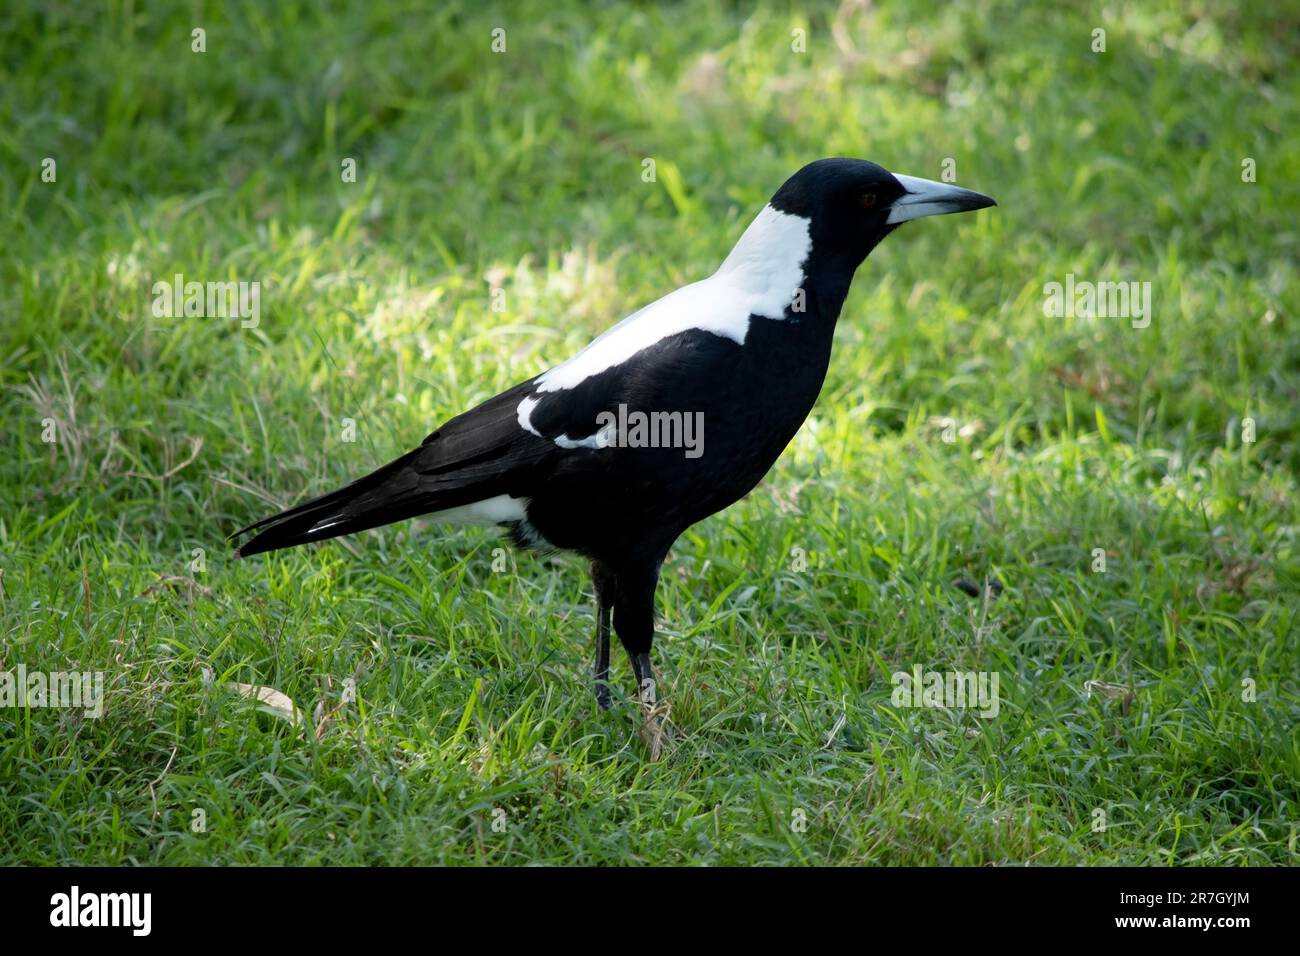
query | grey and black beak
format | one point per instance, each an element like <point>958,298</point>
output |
<point>925,197</point>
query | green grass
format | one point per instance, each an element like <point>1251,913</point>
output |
<point>522,171</point>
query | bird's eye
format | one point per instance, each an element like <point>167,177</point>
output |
<point>868,200</point>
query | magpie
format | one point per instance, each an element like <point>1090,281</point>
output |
<point>668,417</point>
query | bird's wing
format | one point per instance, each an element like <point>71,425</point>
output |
<point>679,373</point>
<point>677,354</point>
<point>658,358</point>
<point>485,442</point>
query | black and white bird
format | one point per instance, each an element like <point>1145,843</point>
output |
<point>668,417</point>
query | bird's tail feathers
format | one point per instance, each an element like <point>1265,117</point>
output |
<point>391,493</point>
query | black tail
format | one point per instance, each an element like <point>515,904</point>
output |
<point>470,458</point>
<point>391,493</point>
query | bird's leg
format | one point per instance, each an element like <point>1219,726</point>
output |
<point>645,680</point>
<point>605,583</point>
<point>654,729</point>
<point>634,622</point>
<point>603,615</point>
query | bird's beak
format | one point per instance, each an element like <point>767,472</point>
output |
<point>924,197</point>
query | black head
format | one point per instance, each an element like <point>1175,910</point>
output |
<point>853,204</point>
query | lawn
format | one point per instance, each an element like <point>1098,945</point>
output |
<point>1130,482</point>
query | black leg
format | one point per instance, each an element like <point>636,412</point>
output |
<point>605,584</point>
<point>647,692</point>
<point>634,620</point>
<point>634,615</point>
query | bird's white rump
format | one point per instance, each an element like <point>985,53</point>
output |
<point>490,511</point>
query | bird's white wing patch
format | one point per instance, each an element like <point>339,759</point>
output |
<point>759,277</point>
<point>524,413</point>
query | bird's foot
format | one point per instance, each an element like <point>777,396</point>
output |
<point>602,695</point>
<point>655,712</point>
<point>655,730</point>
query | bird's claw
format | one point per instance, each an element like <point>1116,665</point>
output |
<point>656,717</point>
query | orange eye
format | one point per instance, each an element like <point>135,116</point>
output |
<point>868,200</point>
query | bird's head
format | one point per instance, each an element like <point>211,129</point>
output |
<point>852,204</point>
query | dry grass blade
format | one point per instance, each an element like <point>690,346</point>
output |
<point>268,700</point>
<point>178,584</point>
<point>1125,695</point>
<point>195,445</point>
